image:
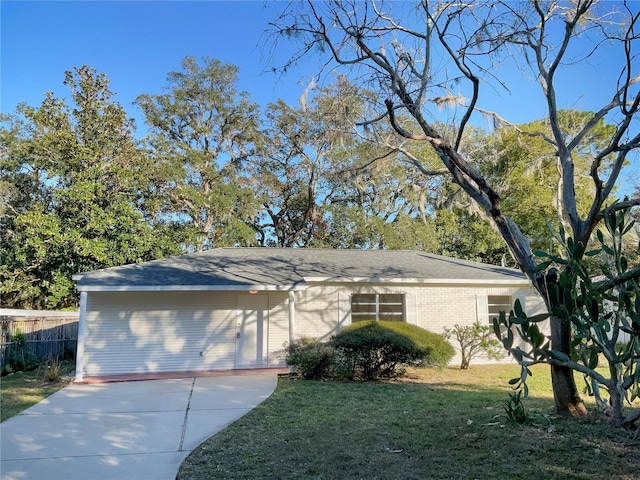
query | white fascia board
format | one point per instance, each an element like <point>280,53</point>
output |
<point>17,312</point>
<point>186,288</point>
<point>420,281</point>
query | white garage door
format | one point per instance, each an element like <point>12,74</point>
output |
<point>144,332</point>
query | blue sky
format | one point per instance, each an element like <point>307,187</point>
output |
<point>137,43</point>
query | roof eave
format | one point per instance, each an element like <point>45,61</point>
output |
<point>422,281</point>
<point>184,288</point>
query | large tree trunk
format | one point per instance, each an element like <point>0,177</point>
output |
<point>565,393</point>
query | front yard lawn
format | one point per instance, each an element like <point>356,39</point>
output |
<point>433,424</point>
<point>21,390</point>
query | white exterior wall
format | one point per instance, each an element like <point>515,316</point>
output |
<point>323,309</point>
<point>318,309</point>
<point>278,328</point>
<point>142,332</point>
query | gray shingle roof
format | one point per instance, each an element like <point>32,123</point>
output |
<point>286,268</point>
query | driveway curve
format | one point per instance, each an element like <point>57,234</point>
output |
<point>130,430</point>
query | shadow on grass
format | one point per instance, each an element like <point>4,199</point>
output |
<point>404,430</point>
<point>20,391</point>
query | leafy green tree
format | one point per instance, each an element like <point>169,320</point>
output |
<point>287,175</point>
<point>474,340</point>
<point>298,153</point>
<point>72,179</point>
<point>377,202</point>
<point>467,235</point>
<point>201,130</point>
<point>380,196</point>
<point>525,171</point>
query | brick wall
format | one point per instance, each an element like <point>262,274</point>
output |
<point>437,306</point>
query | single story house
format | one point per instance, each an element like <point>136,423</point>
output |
<point>236,308</point>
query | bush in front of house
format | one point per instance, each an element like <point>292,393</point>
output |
<point>473,341</point>
<point>440,350</point>
<point>375,349</point>
<point>311,358</point>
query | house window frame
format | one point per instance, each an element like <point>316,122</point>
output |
<point>377,313</point>
<point>496,304</point>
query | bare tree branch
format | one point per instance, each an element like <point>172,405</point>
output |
<point>506,123</point>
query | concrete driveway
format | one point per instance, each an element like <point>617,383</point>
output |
<point>134,430</point>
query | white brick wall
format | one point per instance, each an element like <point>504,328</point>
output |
<point>438,306</point>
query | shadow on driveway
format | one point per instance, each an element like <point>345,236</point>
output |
<point>131,430</point>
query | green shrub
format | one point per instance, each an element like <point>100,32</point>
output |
<point>440,350</point>
<point>18,357</point>
<point>474,340</point>
<point>376,348</point>
<point>311,358</point>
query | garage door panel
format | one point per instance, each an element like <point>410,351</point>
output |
<point>131,332</point>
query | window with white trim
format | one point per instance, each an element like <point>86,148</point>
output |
<point>497,304</point>
<point>377,306</point>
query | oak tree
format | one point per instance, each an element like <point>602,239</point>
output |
<point>200,130</point>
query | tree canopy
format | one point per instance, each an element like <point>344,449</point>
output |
<point>72,182</point>
<point>200,130</point>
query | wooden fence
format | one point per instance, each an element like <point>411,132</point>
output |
<point>37,334</point>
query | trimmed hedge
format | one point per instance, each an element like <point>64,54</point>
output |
<point>375,348</point>
<point>311,358</point>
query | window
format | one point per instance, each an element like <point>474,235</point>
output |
<point>496,304</point>
<point>377,306</point>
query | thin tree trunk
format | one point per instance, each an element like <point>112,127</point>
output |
<point>617,405</point>
<point>464,364</point>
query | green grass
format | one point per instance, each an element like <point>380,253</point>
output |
<point>20,391</point>
<point>433,424</point>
